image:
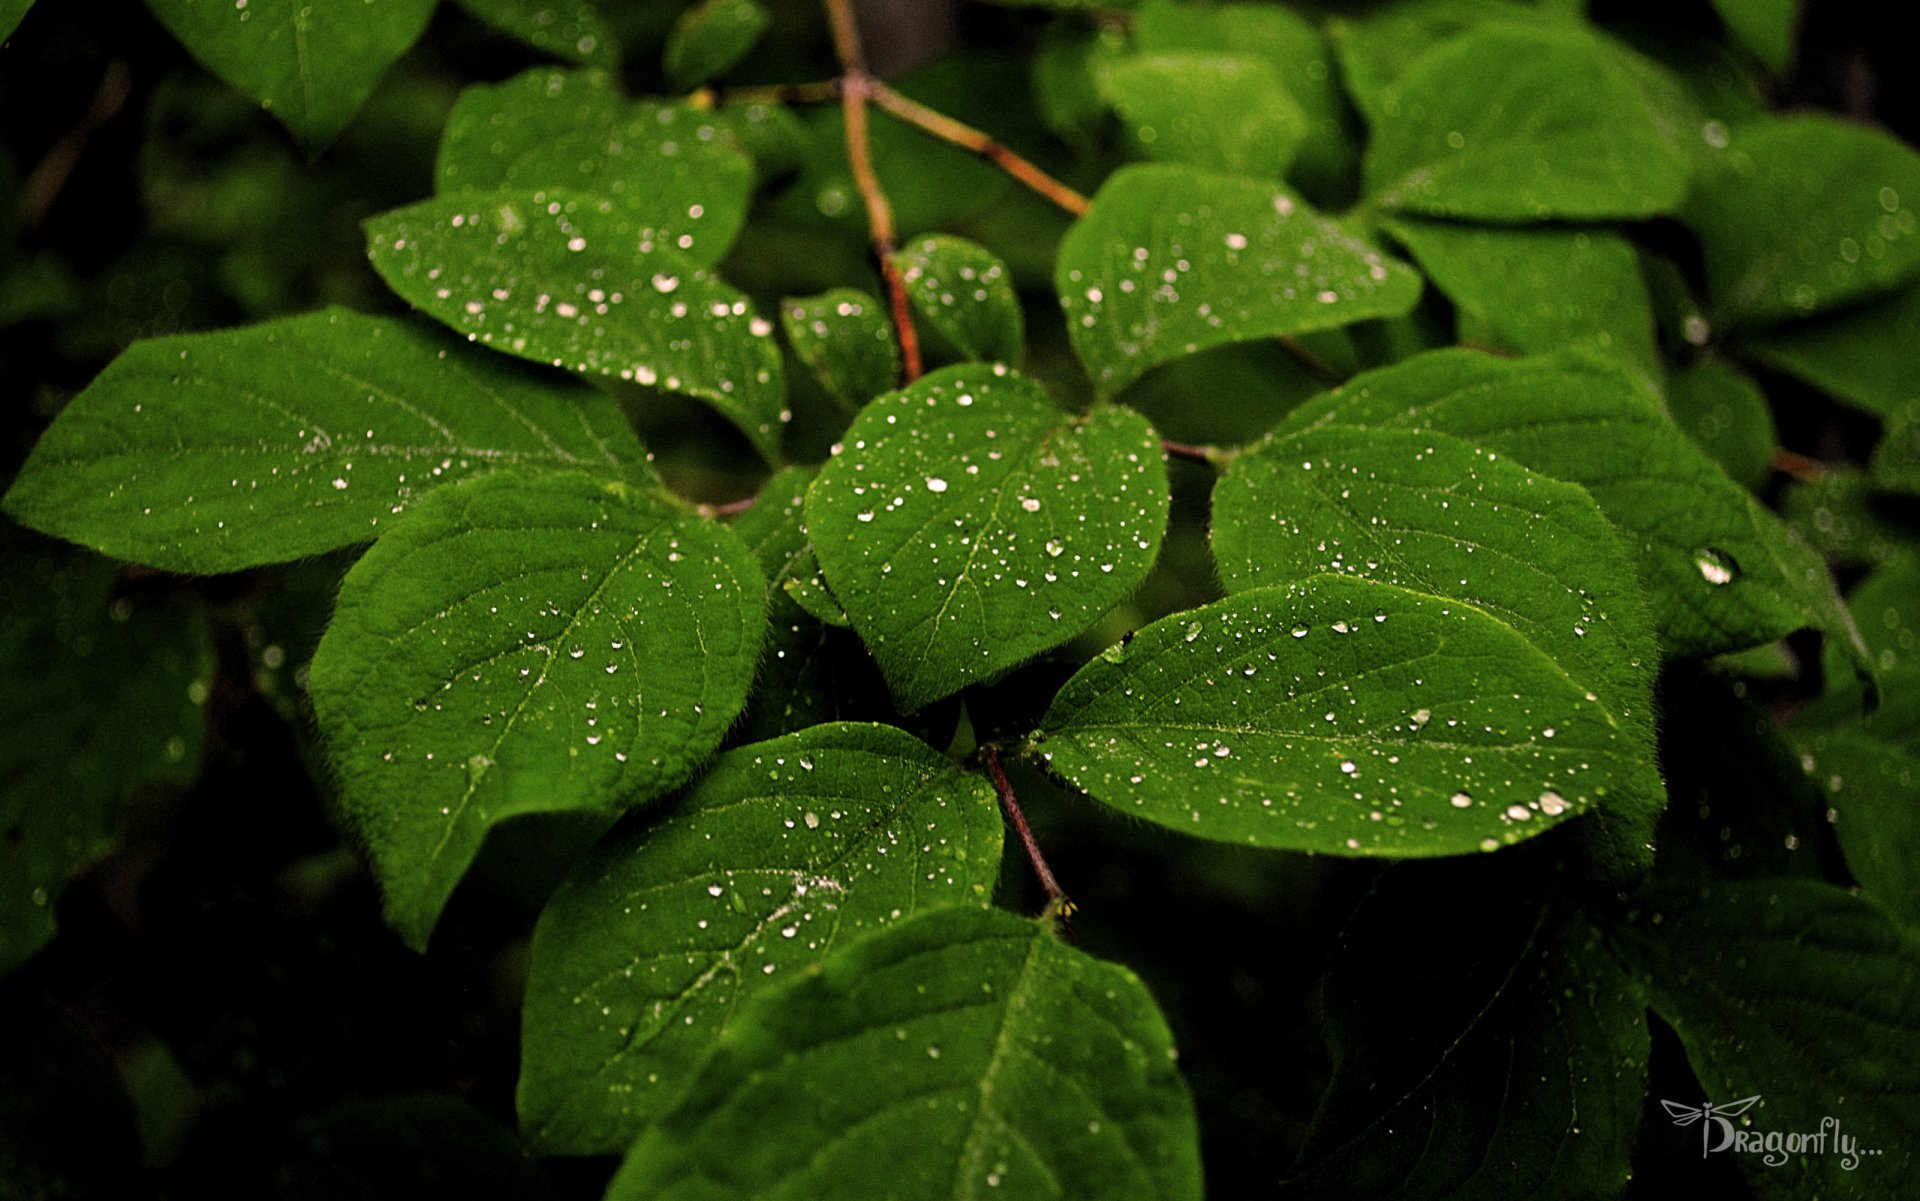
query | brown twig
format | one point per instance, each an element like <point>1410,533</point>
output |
<point>732,508</point>
<point>50,175</point>
<point>973,140</point>
<point>1801,467</point>
<point>1056,896</point>
<point>1209,455</point>
<point>823,91</point>
<point>856,85</point>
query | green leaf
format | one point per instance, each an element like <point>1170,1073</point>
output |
<point>811,672</point>
<point>1794,990</point>
<point>1721,571</point>
<point>1805,214</point>
<point>1866,356</point>
<point>311,65</point>
<point>781,853</point>
<point>1340,715</point>
<point>712,36</point>
<point>569,29</point>
<point>1541,289</point>
<point>1300,56</point>
<point>1726,415</point>
<point>1224,112</point>
<point>1519,1069</point>
<point>1447,520</point>
<point>1895,466</point>
<point>969,524</point>
<point>527,645</point>
<point>663,167</point>
<point>1377,45</point>
<point>1170,260</point>
<point>846,339</point>
<point>102,697</point>
<point>571,280</point>
<point>1523,123</point>
<point>11,14</point>
<point>1763,28</point>
<point>1841,516</point>
<point>213,452</point>
<point>961,289</point>
<point>963,1053</point>
<point>1872,787</point>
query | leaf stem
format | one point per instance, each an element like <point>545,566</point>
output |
<point>1321,369</point>
<point>1010,805</point>
<point>977,142</point>
<point>856,85</point>
<point>1212,456</point>
<point>822,91</point>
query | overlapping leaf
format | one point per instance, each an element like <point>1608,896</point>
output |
<point>527,645</point>
<point>711,37</point>
<point>1224,112</point>
<point>784,851</point>
<point>212,452</point>
<point>570,279</point>
<point>969,524</point>
<point>966,1052</point>
<point>1171,260</point>
<point>571,29</point>
<point>1867,356</point>
<point>962,290</point>
<point>845,338</point>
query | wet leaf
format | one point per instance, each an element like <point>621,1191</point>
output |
<point>1171,260</point>
<point>569,279</point>
<point>846,339</point>
<point>783,852</point>
<point>1224,112</point>
<point>1867,356</point>
<point>311,65</point>
<point>527,645</point>
<point>571,29</point>
<point>213,452</point>
<point>1726,415</point>
<point>712,36</point>
<point>1523,123</point>
<point>964,1050</point>
<point>962,290</point>
<point>1377,45</point>
<point>970,524</point>
<point>1345,716</point>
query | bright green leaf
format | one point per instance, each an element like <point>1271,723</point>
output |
<point>1726,415</point>
<point>1805,214</point>
<point>102,696</point>
<point>213,452</point>
<point>1764,28</point>
<point>1721,572</point>
<point>527,645</point>
<point>783,852</point>
<point>970,524</point>
<point>312,65</point>
<point>1540,289</point>
<point>1376,45</point>
<point>11,14</point>
<point>711,37</point>
<point>571,280</point>
<point>961,289</point>
<point>663,167</point>
<point>1345,716</point>
<point>964,1053</point>
<point>1447,520</point>
<point>1224,112</point>
<point>1171,260</point>
<point>570,29</point>
<point>1517,1070</point>
<point>846,339</point>
<point>1524,123</point>
<point>1868,356</point>
<point>1809,997</point>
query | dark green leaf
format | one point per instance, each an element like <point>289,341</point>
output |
<point>570,279</point>
<point>962,290</point>
<point>1895,466</point>
<point>970,524</point>
<point>1225,112</point>
<point>964,1053</point>
<point>711,37</point>
<point>1867,356</point>
<point>1493,1055</point>
<point>1764,28</point>
<point>11,13</point>
<point>66,1128</point>
<point>1726,415</point>
<point>212,452</point>
<point>1447,520</point>
<point>1377,45</point>
<point>1537,290</point>
<point>1722,572</point>
<point>664,167</point>
<point>1171,260</point>
<point>405,1148</point>
<point>527,645</point>
<point>1524,123</point>
<point>1795,991</point>
<point>1805,214</point>
<point>311,65</point>
<point>569,29</point>
<point>1872,785</point>
<point>1840,515</point>
<point>783,852</point>
<point>846,339</point>
<point>1345,716</point>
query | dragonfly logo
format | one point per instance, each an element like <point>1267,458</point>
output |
<point>1719,1132</point>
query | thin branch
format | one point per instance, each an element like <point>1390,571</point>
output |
<point>823,91</point>
<point>856,86</point>
<point>1211,456</point>
<point>985,145</point>
<point>50,175</point>
<point>1320,368</point>
<point>1801,467</point>
<point>1056,896</point>
<point>732,508</point>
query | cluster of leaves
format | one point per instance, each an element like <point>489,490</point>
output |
<point>1452,606</point>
